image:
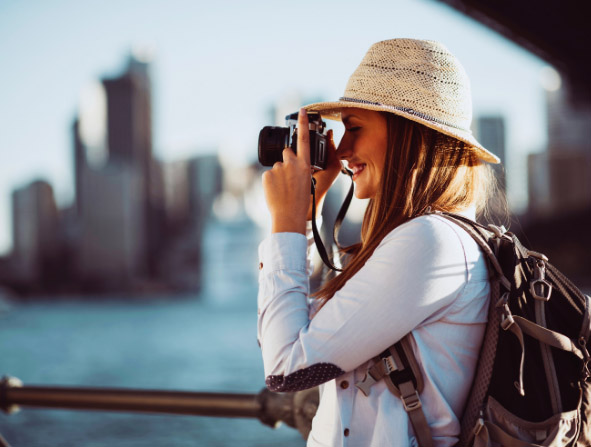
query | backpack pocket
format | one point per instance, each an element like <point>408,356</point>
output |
<point>501,428</point>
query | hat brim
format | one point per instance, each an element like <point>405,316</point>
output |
<point>332,110</point>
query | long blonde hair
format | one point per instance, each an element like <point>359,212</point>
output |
<point>424,169</point>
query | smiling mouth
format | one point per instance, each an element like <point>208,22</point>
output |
<point>357,169</point>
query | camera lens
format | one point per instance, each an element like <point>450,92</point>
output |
<point>272,141</point>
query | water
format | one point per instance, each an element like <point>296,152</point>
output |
<point>193,343</point>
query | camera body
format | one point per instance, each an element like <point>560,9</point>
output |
<point>273,140</point>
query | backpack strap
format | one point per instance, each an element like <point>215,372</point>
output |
<point>409,384</point>
<point>482,236</point>
<point>400,370</point>
<point>541,290</point>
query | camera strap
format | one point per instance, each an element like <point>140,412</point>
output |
<point>337,224</point>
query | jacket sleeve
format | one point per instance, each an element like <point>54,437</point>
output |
<point>412,278</point>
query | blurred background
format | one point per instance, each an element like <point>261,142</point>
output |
<point>130,199</point>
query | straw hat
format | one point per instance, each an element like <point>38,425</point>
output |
<point>416,79</point>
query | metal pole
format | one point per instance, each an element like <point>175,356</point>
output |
<point>175,402</point>
<point>295,409</point>
<point>14,395</point>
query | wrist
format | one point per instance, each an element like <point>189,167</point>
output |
<point>288,226</point>
<point>319,205</point>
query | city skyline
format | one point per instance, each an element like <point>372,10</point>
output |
<point>212,89</point>
<point>125,231</point>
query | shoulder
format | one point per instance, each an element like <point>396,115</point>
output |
<point>432,239</point>
<point>427,230</point>
<point>431,260</point>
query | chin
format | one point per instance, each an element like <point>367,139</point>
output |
<point>365,190</point>
<point>361,193</point>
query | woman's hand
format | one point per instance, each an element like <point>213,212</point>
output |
<point>287,184</point>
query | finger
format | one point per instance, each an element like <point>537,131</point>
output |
<point>331,150</point>
<point>329,136</point>
<point>331,153</point>
<point>266,178</point>
<point>287,154</point>
<point>303,137</point>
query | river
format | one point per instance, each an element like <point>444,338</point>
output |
<point>201,342</point>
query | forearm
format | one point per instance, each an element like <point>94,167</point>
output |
<point>283,294</point>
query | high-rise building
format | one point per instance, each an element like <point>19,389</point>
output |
<point>35,232</point>
<point>115,227</point>
<point>111,247</point>
<point>558,179</point>
<point>205,183</point>
<point>190,188</point>
<point>79,163</point>
<point>559,182</point>
<point>569,122</point>
<point>490,131</point>
<point>491,134</point>
<point>176,196</point>
<point>129,115</point>
<point>129,141</point>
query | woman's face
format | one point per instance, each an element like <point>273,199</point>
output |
<point>363,146</point>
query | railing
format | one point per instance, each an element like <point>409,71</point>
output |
<point>294,409</point>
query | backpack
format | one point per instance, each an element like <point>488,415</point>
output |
<point>531,383</point>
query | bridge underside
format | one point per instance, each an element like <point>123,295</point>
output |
<point>558,32</point>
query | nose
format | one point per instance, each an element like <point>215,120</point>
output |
<point>344,149</point>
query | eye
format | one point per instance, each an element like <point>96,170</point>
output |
<point>353,129</point>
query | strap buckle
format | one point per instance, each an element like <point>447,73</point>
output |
<point>366,384</point>
<point>389,364</point>
<point>375,373</point>
<point>538,286</point>
<point>411,402</point>
<point>540,289</point>
<point>507,319</point>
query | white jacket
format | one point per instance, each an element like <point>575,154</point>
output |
<point>427,277</point>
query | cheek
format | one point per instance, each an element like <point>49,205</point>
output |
<point>380,156</point>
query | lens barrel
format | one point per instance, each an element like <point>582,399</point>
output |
<point>272,141</point>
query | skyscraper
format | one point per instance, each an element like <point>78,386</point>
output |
<point>129,115</point>
<point>35,232</point>
<point>491,134</point>
<point>111,252</point>
<point>559,179</point>
<point>79,163</point>
<point>129,141</point>
<point>117,230</point>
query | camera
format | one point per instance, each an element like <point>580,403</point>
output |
<point>273,140</point>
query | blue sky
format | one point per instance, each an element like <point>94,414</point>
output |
<point>218,66</point>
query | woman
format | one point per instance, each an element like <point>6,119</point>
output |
<point>407,113</point>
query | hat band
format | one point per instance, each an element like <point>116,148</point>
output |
<point>405,110</point>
